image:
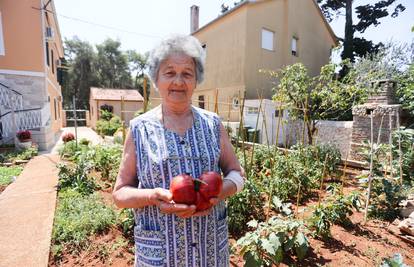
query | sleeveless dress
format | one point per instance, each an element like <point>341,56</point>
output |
<point>165,239</point>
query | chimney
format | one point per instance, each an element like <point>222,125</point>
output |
<point>193,19</point>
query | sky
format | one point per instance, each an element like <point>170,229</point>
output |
<point>140,24</point>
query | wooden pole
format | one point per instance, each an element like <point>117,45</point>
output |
<point>216,102</point>
<point>123,117</point>
<point>145,95</point>
<point>322,178</point>
<point>76,121</point>
<point>370,169</point>
<point>390,143</point>
<point>399,147</point>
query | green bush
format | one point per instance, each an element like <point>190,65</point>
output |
<point>71,151</point>
<point>335,209</point>
<point>106,115</point>
<point>244,206</point>
<point>27,153</point>
<point>104,127</point>
<point>78,217</point>
<point>76,177</point>
<point>7,173</point>
<point>106,159</point>
<point>272,241</point>
<point>126,222</point>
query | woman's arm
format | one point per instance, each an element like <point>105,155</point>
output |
<point>127,195</point>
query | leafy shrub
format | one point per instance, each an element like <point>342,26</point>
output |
<point>76,177</point>
<point>244,206</point>
<point>106,115</point>
<point>28,153</point>
<point>107,158</point>
<point>104,127</point>
<point>395,261</point>
<point>335,209</point>
<point>84,142</point>
<point>126,221</point>
<point>272,241</point>
<point>78,217</point>
<point>70,150</point>
<point>385,198</point>
<point>7,173</point>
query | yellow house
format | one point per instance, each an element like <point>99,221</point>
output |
<point>254,35</point>
<point>31,54</point>
<point>132,102</point>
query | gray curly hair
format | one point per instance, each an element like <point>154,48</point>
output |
<point>177,43</point>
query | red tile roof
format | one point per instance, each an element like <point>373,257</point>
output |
<point>115,94</point>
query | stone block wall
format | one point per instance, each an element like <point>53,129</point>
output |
<point>32,88</point>
<point>336,133</point>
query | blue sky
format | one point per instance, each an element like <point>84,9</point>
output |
<point>144,23</point>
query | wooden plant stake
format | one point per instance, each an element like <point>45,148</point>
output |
<point>390,143</point>
<point>322,178</point>
<point>399,148</point>
<point>370,170</point>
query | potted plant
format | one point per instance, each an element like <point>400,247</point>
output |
<point>24,139</point>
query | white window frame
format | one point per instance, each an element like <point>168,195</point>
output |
<point>268,39</point>
<point>2,48</point>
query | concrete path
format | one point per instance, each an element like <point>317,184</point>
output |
<point>27,209</point>
<point>83,132</point>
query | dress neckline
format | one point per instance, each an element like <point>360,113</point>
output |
<point>194,114</point>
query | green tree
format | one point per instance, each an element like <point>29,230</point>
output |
<point>137,64</point>
<point>316,98</point>
<point>112,65</point>
<point>81,62</point>
<point>368,15</point>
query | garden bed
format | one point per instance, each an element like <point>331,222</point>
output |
<point>338,239</point>
<point>12,164</point>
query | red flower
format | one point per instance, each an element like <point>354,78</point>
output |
<point>67,136</point>
<point>24,135</point>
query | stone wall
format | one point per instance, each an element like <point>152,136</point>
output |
<point>337,133</point>
<point>35,96</point>
<point>32,88</point>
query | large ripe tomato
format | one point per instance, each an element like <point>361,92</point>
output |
<point>210,187</point>
<point>182,188</point>
<point>187,190</point>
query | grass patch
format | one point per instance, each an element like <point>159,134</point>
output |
<point>7,173</point>
<point>78,217</point>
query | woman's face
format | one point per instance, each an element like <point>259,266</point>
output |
<point>177,79</point>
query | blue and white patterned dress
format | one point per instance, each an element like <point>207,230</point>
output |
<point>165,239</point>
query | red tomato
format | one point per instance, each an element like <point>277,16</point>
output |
<point>187,190</point>
<point>183,189</point>
<point>210,187</point>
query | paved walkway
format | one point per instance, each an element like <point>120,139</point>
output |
<point>27,208</point>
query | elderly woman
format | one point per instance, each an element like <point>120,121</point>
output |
<point>169,140</point>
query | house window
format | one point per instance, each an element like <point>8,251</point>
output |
<point>201,101</point>
<point>295,46</point>
<point>235,102</point>
<point>267,39</point>
<point>59,111</point>
<point>53,61</point>
<point>2,50</point>
<point>47,54</point>
<point>252,110</point>
<point>204,46</point>
<point>55,105</point>
<point>279,113</point>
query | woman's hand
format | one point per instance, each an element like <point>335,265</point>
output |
<point>162,198</point>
